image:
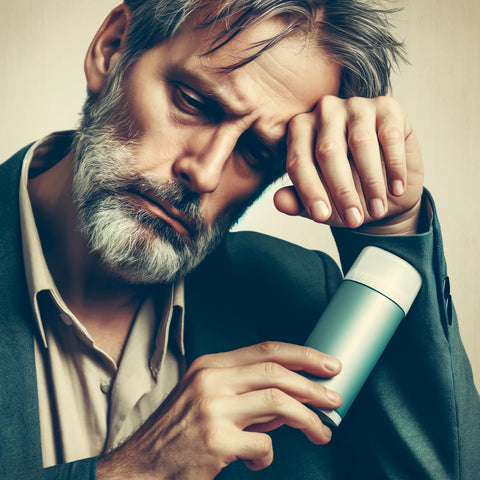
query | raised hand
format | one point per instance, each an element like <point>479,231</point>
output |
<point>354,162</point>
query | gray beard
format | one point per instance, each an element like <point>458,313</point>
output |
<point>133,243</point>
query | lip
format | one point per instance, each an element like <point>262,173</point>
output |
<point>176,219</point>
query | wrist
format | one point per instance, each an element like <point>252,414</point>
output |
<point>403,224</point>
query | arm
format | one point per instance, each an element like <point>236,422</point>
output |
<point>424,375</point>
<point>418,415</point>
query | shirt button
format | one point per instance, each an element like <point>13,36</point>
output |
<point>105,385</point>
<point>66,318</point>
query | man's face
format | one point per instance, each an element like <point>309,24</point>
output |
<point>195,143</point>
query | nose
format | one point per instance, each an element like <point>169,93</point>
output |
<point>203,158</point>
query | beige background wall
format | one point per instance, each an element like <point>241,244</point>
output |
<point>42,44</point>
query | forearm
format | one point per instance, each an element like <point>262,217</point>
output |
<point>424,374</point>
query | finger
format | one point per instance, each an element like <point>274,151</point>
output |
<point>392,133</point>
<point>259,376</point>
<point>302,170</point>
<point>293,357</point>
<point>365,152</point>
<point>332,159</point>
<point>287,201</point>
<point>256,450</point>
<point>263,406</point>
<point>265,427</point>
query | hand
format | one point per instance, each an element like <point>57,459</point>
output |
<point>353,162</point>
<point>219,412</point>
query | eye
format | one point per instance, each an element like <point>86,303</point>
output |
<point>254,153</point>
<point>187,100</point>
<point>256,159</point>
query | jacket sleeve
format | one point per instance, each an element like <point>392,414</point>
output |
<point>80,470</point>
<point>419,412</point>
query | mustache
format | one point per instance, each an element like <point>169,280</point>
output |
<point>171,193</point>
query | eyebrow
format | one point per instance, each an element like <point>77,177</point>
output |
<point>205,89</point>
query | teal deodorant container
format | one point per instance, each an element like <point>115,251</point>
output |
<point>360,320</point>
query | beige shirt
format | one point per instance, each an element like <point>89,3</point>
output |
<point>88,404</point>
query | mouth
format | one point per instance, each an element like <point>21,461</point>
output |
<point>175,218</point>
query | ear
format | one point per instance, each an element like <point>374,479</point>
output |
<point>106,48</point>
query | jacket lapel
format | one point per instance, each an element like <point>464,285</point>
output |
<point>19,421</point>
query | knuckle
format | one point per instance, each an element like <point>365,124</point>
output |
<point>326,149</point>
<point>293,161</point>
<point>206,409</point>
<point>359,109</point>
<point>390,134</point>
<point>311,418</point>
<point>264,445</point>
<point>355,103</point>
<point>326,102</point>
<point>359,138</point>
<point>197,364</point>
<point>386,102</point>
<point>272,369</point>
<point>371,182</point>
<point>201,379</point>
<point>343,194</point>
<point>310,355</point>
<point>274,397</point>
<point>299,121</point>
<point>395,163</point>
<point>213,440</point>
<point>267,349</point>
<point>200,363</point>
<point>312,390</point>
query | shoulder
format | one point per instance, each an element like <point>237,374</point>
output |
<point>244,253</point>
<point>12,167</point>
<point>279,260</point>
<point>9,212</point>
<point>275,284</point>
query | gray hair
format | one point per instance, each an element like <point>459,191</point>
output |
<point>356,33</point>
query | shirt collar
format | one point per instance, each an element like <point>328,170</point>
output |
<point>36,269</point>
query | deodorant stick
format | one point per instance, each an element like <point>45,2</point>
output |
<point>360,320</point>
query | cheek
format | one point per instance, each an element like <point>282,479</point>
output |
<point>233,191</point>
<point>159,140</point>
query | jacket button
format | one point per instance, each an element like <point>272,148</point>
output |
<point>446,287</point>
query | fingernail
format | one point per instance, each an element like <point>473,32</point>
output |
<point>397,187</point>
<point>377,208</point>
<point>327,432</point>
<point>332,364</point>
<point>319,211</point>
<point>333,396</point>
<point>353,218</point>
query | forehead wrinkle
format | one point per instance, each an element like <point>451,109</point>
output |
<point>215,84</point>
<point>230,96</point>
<point>292,68</point>
<point>275,104</point>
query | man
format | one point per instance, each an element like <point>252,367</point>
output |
<point>138,340</point>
